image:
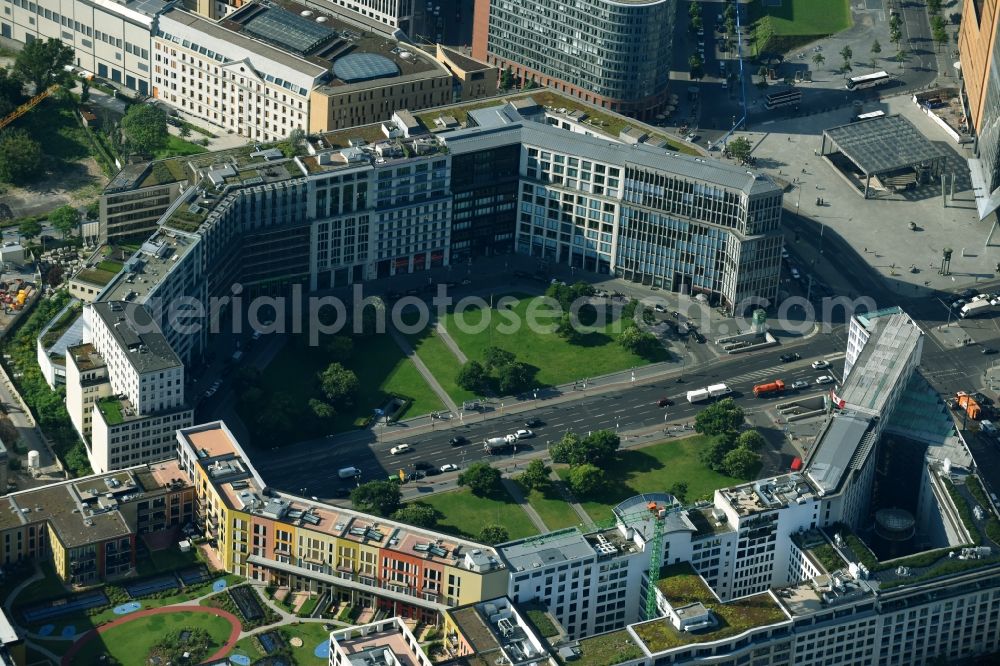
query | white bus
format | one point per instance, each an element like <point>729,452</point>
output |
<point>869,115</point>
<point>868,80</point>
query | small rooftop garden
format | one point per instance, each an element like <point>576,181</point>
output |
<point>61,325</point>
<point>681,586</point>
<point>608,649</point>
<point>111,408</point>
<point>95,276</point>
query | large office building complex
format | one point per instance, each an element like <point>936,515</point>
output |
<point>404,199</point>
<point>613,54</point>
<point>979,47</point>
<point>257,69</point>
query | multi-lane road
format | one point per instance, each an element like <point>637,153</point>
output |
<point>311,467</point>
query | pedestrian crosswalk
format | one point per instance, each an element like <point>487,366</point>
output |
<point>773,371</point>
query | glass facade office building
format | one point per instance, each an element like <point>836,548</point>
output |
<point>613,54</point>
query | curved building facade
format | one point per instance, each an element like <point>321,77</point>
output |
<point>616,54</point>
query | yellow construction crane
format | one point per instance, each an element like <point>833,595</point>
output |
<point>27,106</point>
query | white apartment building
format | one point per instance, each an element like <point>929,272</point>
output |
<point>125,387</point>
<point>230,80</point>
<point>110,39</point>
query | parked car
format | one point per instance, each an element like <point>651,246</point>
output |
<point>458,441</point>
<point>400,448</point>
<point>824,379</point>
<point>433,471</point>
<point>524,434</point>
<point>422,464</point>
<point>341,492</point>
<point>788,358</point>
<point>449,467</point>
<point>797,385</point>
<point>820,365</point>
<point>664,402</point>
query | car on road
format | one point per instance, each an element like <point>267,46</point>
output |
<point>820,365</point>
<point>800,384</point>
<point>341,492</point>
<point>692,137</point>
<point>659,308</point>
<point>795,273</point>
<point>449,467</point>
<point>699,338</point>
<point>458,441</point>
<point>532,423</point>
<point>784,253</point>
<point>422,464</point>
<point>664,402</point>
<point>788,358</point>
<point>466,282</point>
<point>524,434</point>
<point>213,389</point>
<point>824,379</point>
<point>400,448</point>
<point>989,350</point>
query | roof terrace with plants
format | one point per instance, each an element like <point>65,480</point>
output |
<point>680,587</point>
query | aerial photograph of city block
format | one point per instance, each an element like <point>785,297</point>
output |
<point>499,332</point>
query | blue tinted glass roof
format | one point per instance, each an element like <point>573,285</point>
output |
<point>363,66</point>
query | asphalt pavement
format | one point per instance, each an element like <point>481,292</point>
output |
<point>310,468</point>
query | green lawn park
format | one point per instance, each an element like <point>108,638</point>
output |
<point>556,361</point>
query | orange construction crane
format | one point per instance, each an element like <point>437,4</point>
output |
<point>27,106</point>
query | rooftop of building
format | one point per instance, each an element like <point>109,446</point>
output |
<point>893,339</point>
<point>466,63</point>
<point>768,494</point>
<point>842,445</point>
<point>682,586</point>
<point>236,481</point>
<point>145,270</point>
<point>226,40</point>
<point>86,357</point>
<point>544,550</point>
<point>612,647</point>
<point>819,550</point>
<point>821,593</point>
<point>496,632</point>
<point>137,335</point>
<point>346,54</point>
<point>708,521</point>
<point>138,11</point>
<point>370,151</point>
<point>366,645</point>
<point>885,144</point>
<point>605,149</point>
<point>82,511</point>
